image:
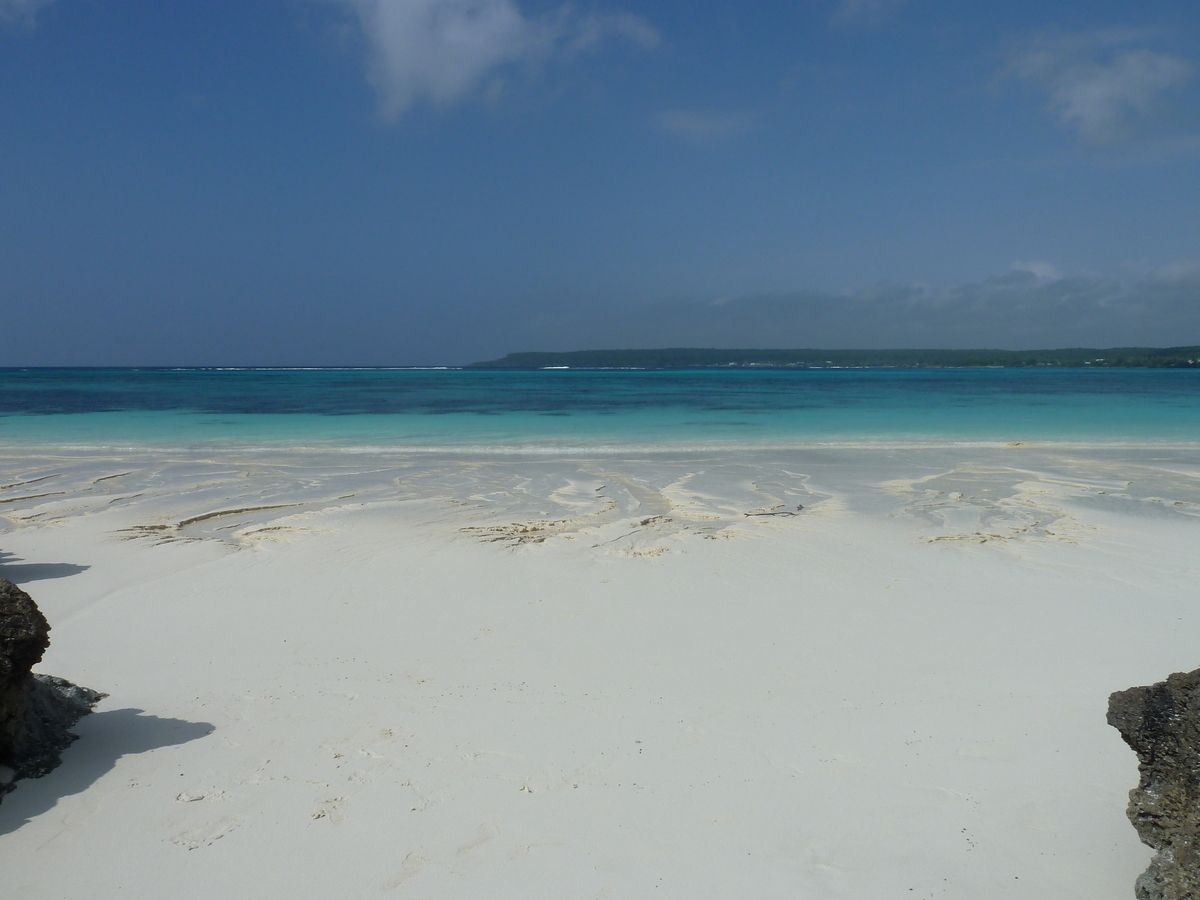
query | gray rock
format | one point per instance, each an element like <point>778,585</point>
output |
<point>1162,725</point>
<point>36,711</point>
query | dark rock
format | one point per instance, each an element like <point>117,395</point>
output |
<point>24,637</point>
<point>1162,725</point>
<point>36,711</point>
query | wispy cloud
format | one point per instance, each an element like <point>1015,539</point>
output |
<point>865,13</point>
<point>586,32</point>
<point>702,127</point>
<point>442,50</point>
<point>20,12</point>
<point>1100,83</point>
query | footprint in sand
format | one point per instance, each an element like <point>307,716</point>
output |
<point>487,831</point>
<point>332,809</point>
<point>206,835</point>
<point>412,865</point>
<point>193,796</point>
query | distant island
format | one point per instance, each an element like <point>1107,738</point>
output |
<point>689,357</point>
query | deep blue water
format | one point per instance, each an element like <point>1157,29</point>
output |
<point>381,408</point>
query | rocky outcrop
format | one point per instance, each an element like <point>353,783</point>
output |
<point>36,711</point>
<point>1162,725</point>
<point>24,637</point>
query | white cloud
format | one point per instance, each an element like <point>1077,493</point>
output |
<point>865,12</point>
<point>1097,83</point>
<point>702,126</point>
<point>441,50</point>
<point>1043,271</point>
<point>20,12</point>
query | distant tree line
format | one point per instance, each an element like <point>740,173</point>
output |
<point>682,358</point>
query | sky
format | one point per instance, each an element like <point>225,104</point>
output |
<point>434,182</point>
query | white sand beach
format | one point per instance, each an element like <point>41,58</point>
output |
<point>491,677</point>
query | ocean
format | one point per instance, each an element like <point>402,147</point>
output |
<point>415,410</point>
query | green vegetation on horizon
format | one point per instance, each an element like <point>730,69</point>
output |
<point>683,357</point>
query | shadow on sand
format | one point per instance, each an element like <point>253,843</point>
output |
<point>20,573</point>
<point>104,738</point>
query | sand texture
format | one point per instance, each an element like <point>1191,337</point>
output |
<point>876,673</point>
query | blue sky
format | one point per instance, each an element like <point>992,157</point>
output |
<point>328,182</point>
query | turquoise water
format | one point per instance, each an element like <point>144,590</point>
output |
<point>384,409</point>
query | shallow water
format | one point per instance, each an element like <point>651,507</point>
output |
<point>588,410</point>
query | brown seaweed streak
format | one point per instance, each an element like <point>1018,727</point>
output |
<point>165,533</point>
<point>628,498</point>
<point>537,531</point>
